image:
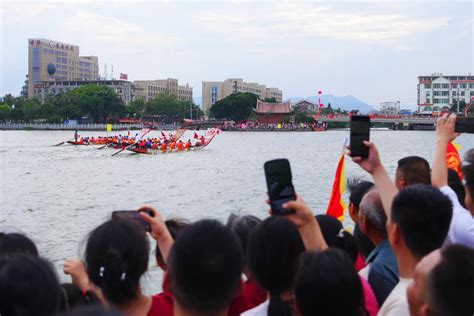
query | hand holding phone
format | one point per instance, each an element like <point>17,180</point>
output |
<point>464,125</point>
<point>134,216</point>
<point>279,185</point>
<point>360,132</point>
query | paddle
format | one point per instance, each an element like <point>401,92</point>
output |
<point>103,146</point>
<point>124,149</point>
<point>64,142</point>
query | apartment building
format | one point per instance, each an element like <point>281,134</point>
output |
<point>213,91</point>
<point>150,89</point>
<point>50,61</point>
<point>438,92</point>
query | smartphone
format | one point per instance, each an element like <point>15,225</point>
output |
<point>133,216</point>
<point>360,131</point>
<point>464,125</point>
<point>279,185</point>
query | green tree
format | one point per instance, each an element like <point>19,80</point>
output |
<point>5,112</point>
<point>136,108</point>
<point>96,102</point>
<point>9,99</point>
<point>237,106</point>
<point>31,109</point>
<point>454,106</point>
<point>270,100</point>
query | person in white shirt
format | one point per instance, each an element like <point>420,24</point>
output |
<point>418,223</point>
<point>462,224</point>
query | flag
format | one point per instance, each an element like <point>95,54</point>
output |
<point>123,76</point>
<point>109,127</point>
<point>196,136</point>
<point>279,125</point>
<point>163,134</point>
<point>453,159</point>
<point>128,133</point>
<point>336,205</point>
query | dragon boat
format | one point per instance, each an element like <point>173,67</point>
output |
<point>151,151</point>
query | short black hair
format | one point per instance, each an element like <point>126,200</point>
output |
<point>358,189</point>
<point>424,216</point>
<point>467,168</point>
<point>336,236</point>
<point>28,286</point>
<point>205,266</point>
<point>175,226</point>
<point>116,257</point>
<point>273,253</point>
<point>15,243</point>
<point>73,297</point>
<point>242,226</point>
<point>451,282</point>
<point>414,170</point>
<point>455,183</point>
<point>324,278</point>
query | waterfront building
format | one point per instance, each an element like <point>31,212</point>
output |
<point>438,92</point>
<point>50,61</point>
<point>149,89</point>
<point>390,108</point>
<point>213,91</point>
<point>272,113</point>
<point>44,89</point>
<point>305,106</point>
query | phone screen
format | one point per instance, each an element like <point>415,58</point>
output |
<point>464,125</point>
<point>279,184</point>
<point>133,216</point>
<point>360,131</point>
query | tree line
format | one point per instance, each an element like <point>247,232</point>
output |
<point>94,103</point>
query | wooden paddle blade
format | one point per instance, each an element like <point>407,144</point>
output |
<point>59,144</point>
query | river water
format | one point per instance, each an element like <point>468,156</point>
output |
<point>56,195</point>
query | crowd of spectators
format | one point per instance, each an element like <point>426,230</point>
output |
<point>410,253</point>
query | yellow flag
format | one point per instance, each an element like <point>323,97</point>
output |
<point>109,127</point>
<point>279,125</point>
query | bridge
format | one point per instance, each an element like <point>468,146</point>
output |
<point>415,120</point>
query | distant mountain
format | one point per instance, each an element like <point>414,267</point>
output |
<point>345,103</point>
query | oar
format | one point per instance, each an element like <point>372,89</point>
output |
<point>123,149</point>
<point>64,142</point>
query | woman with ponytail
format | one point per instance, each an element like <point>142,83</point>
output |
<point>273,251</point>
<point>116,258</point>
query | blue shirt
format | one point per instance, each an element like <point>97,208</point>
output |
<point>383,273</point>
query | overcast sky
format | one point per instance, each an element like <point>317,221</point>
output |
<point>372,50</point>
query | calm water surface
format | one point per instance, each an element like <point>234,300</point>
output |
<point>56,195</point>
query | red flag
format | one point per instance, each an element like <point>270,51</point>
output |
<point>123,76</point>
<point>336,205</point>
<point>163,134</point>
<point>453,159</point>
<point>196,136</point>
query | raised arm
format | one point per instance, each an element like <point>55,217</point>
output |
<point>444,135</point>
<point>307,224</point>
<point>384,184</point>
<point>159,231</point>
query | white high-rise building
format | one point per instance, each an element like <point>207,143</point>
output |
<point>438,92</point>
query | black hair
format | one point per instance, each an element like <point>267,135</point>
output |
<point>357,191</point>
<point>363,243</point>
<point>73,297</point>
<point>328,284</point>
<point>424,215</point>
<point>95,310</point>
<point>467,168</point>
<point>415,170</point>
<point>335,235</point>
<point>451,282</point>
<point>205,266</point>
<point>116,257</point>
<point>175,226</point>
<point>28,286</point>
<point>274,248</point>
<point>455,184</point>
<point>242,226</point>
<point>14,243</point>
